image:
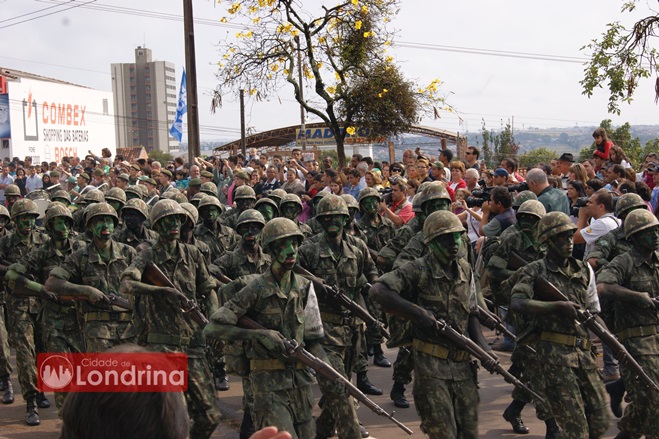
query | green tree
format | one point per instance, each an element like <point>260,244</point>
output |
<point>621,57</point>
<point>160,156</point>
<point>503,145</point>
<point>342,53</point>
<point>487,150</point>
<point>538,155</point>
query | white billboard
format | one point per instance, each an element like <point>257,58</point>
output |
<point>50,121</point>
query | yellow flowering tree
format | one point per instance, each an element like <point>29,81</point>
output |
<point>344,60</point>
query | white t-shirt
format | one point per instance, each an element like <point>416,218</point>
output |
<point>598,228</point>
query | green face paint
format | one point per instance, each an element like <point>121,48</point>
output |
<point>59,228</point>
<point>250,232</point>
<point>209,214</point>
<point>333,224</point>
<point>267,211</point>
<point>25,224</point>
<point>102,227</point>
<point>370,206</point>
<point>290,211</point>
<point>284,252</point>
<point>169,227</point>
<point>528,224</point>
<point>646,240</point>
<point>446,247</point>
<point>561,245</point>
<point>115,205</point>
<point>435,206</point>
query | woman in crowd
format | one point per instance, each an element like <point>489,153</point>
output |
<point>578,172</point>
<point>457,171</point>
<point>46,182</point>
<point>336,185</point>
<point>373,180</point>
<point>20,181</point>
<point>617,155</point>
<point>593,185</point>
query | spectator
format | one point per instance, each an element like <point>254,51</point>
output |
<point>399,211</point>
<point>5,179</point>
<point>578,172</point>
<point>293,185</point>
<point>471,155</point>
<point>396,170</point>
<point>45,182</point>
<point>553,199</point>
<point>471,179</point>
<point>564,162</point>
<point>336,185</point>
<point>510,165</point>
<point>595,220</point>
<point>33,182</point>
<point>271,181</point>
<point>354,160</point>
<point>615,175</point>
<point>445,156</point>
<point>20,181</point>
<point>501,204</point>
<point>422,169</point>
<point>589,166</point>
<point>500,177</point>
<point>618,156</point>
<point>457,171</point>
<point>437,172</point>
<point>602,144</point>
<point>408,157</point>
<point>328,162</point>
<point>182,179</point>
<point>593,185</point>
<point>575,190</point>
<point>372,180</point>
<point>354,185</point>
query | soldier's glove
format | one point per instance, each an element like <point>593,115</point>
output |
<point>273,341</point>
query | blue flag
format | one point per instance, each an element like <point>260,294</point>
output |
<point>176,130</point>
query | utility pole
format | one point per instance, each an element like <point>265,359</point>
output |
<point>194,146</point>
<point>303,128</point>
<point>242,123</point>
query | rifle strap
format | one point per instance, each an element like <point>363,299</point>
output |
<point>439,351</point>
<point>639,331</point>
<point>566,339</point>
<point>274,364</point>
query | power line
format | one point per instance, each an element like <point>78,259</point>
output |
<point>45,15</point>
<point>33,12</point>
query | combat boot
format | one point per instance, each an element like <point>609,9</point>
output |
<point>220,375</point>
<point>363,431</point>
<point>378,357</point>
<point>552,429</point>
<point>366,386</point>
<point>42,401</point>
<point>513,414</point>
<point>8,390</point>
<point>622,435</point>
<point>616,391</point>
<point>397,395</point>
<point>32,414</point>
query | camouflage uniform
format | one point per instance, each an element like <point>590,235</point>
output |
<point>105,326</point>
<point>377,235</point>
<point>238,263</point>
<point>282,390</point>
<point>341,340</point>
<point>127,236</point>
<point>5,366</point>
<point>224,241</point>
<point>416,248</point>
<point>445,393</point>
<point>393,248</point>
<point>170,330</point>
<point>574,389</point>
<point>23,323</point>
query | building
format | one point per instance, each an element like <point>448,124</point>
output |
<point>145,98</point>
<point>47,119</point>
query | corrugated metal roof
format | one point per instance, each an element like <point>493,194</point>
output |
<point>17,74</point>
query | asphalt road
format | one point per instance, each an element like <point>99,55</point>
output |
<point>494,393</point>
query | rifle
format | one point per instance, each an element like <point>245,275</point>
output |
<point>545,290</point>
<point>493,322</point>
<point>23,287</point>
<point>152,275</point>
<point>467,344</point>
<point>345,301</point>
<point>298,352</point>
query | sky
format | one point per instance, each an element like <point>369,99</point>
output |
<point>78,40</point>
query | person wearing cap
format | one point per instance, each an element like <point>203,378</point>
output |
<point>151,194</point>
<point>194,187</point>
<point>134,173</point>
<point>122,181</point>
<point>501,205</point>
<point>563,164</point>
<point>83,181</point>
<point>165,180</point>
<point>206,177</point>
<point>239,178</point>
<point>500,177</point>
<point>554,199</point>
<point>437,172</point>
<point>98,181</point>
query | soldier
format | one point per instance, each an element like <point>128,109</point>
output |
<point>523,239</point>
<point>282,388</point>
<point>344,263</point>
<point>94,270</point>
<point>134,232</point>
<point>25,330</point>
<point>208,188</point>
<point>574,390</point>
<point>169,329</point>
<point>631,280</point>
<point>291,207</point>
<point>12,195</point>
<point>116,198</point>
<point>313,223</point>
<point>439,285</point>
<point>245,198</point>
<point>216,235</point>
<point>5,367</point>
<point>194,188</point>
<point>134,192</point>
<point>194,200</point>
<point>351,228</point>
<point>276,195</point>
<point>62,196</point>
<point>60,328</point>
<point>91,197</point>
<point>268,208</point>
<point>165,179</point>
<point>187,231</point>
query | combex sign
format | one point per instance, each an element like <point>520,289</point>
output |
<point>325,136</point>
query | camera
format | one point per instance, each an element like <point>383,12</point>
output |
<point>523,186</point>
<point>478,197</point>
<point>385,195</point>
<point>581,202</point>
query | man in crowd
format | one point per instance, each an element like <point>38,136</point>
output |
<point>399,210</point>
<point>554,200</point>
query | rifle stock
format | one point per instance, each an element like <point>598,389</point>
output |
<point>298,352</point>
<point>154,276</point>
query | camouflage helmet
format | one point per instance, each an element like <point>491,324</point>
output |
<point>279,228</point>
<point>165,208</point>
<point>116,194</point>
<point>179,198</point>
<point>368,192</point>
<point>522,197</point>
<point>61,195</point>
<point>417,201</point>
<point>94,196</point>
<point>250,216</point>
<point>553,224</point>
<point>627,202</point>
<point>332,205</point>
<point>210,201</point>
<point>423,185</point>
<point>209,188</point>
<point>135,189</point>
<point>269,202</point>
<point>319,196</point>
<point>434,191</point>
<point>24,206</point>
<point>57,209</point>
<point>290,198</point>
<point>138,205</point>
<point>12,189</point>
<point>638,220</point>
<point>532,207</point>
<point>4,212</point>
<point>277,195</point>
<point>350,201</point>
<point>440,223</point>
<point>191,211</point>
<point>100,209</point>
<point>196,198</point>
<point>245,192</point>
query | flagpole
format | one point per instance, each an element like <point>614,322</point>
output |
<point>194,146</point>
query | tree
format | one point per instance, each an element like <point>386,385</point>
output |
<point>538,155</point>
<point>487,151</point>
<point>621,137</point>
<point>503,143</point>
<point>342,52</point>
<point>160,156</point>
<point>621,57</point>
